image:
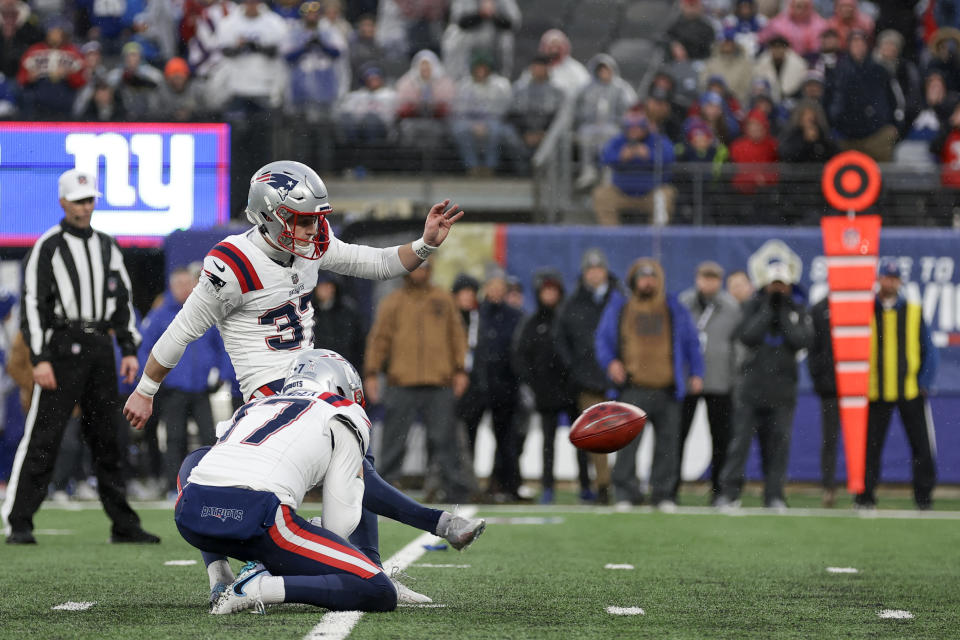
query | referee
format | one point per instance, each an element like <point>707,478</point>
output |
<point>75,291</point>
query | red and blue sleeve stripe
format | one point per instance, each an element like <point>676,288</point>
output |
<point>239,264</point>
<point>335,400</point>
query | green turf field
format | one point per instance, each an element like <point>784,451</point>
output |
<point>697,575</point>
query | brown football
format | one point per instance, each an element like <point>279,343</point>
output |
<point>607,427</point>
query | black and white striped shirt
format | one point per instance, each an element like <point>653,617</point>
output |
<point>74,275</point>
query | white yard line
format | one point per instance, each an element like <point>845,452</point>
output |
<point>179,563</point>
<point>626,611</point>
<point>73,606</point>
<point>337,625</point>
<point>895,614</point>
<point>842,570</point>
<point>626,567</point>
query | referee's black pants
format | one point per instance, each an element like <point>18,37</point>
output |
<point>86,374</point>
<point>920,436</point>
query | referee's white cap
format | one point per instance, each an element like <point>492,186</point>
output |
<point>76,185</point>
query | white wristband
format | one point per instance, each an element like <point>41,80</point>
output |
<point>422,249</point>
<point>147,386</point>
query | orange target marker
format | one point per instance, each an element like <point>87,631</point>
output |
<point>851,181</point>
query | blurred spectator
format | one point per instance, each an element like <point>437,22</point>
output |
<point>424,97</point>
<point>599,109</point>
<point>418,341</point>
<point>648,346</point>
<point>755,152</point>
<point>716,315</point>
<point>289,10</point>
<point>356,9</point>
<point>946,147</point>
<point>701,146</point>
<point>848,17</point>
<point>539,365</point>
<point>826,59</point>
<point>337,325</point>
<point>731,102</point>
<point>782,67</point>
<point>714,111</point>
<point>477,122</point>
<point>250,37</point>
<point>901,338</point>
<point>515,296</point>
<point>813,87</point>
<point>187,387</point>
<point>776,325</point>
<point>404,26</point>
<point>902,16</point>
<point>746,24</point>
<point>807,139</point>
<point>641,160</point>
<point>333,20</point>
<point>566,72</point>
<point>94,68</point>
<point>800,24</point>
<point>761,100</point>
<point>149,46</point>
<point>535,103</point>
<point>108,22</point>
<point>137,84</point>
<point>495,386</point>
<point>200,31</point>
<point>914,149</point>
<point>19,29</point>
<point>50,74</point>
<point>364,50</point>
<point>863,105</point>
<point>576,327</point>
<point>659,109</point>
<point>98,101</point>
<point>729,61</point>
<point>691,34</point>
<point>366,116</point>
<point>480,26</point>
<point>162,19</point>
<point>944,46</point>
<point>179,99</point>
<point>313,50</point>
<point>821,364</point>
<point>905,78</point>
<point>9,97</point>
<point>465,291</point>
<point>740,286</point>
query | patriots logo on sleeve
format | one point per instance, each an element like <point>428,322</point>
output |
<point>283,183</point>
<point>217,282</point>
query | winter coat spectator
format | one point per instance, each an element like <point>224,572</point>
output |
<point>813,87</point>
<point>754,153</point>
<point>914,149</point>
<point>775,326</point>
<point>98,101</point>
<point>477,121</point>
<point>847,17</point>
<point>731,62</point>
<point>200,31</point>
<point>404,26</point>
<point>576,327</point>
<point>480,26</point>
<point>782,67</point>
<point>50,74</point>
<point>807,139</point>
<point>825,61</point>
<point>598,112</point>
<point>364,50</point>
<point>424,96</point>
<point>701,146</point>
<point>823,375</point>
<point>337,324</point>
<point>641,161</point>
<point>539,365</point>
<point>907,86</point>
<point>946,148</point>
<point>731,103</point>
<point>714,111</point>
<point>178,99</point>
<point>332,20</point>
<point>800,24</point>
<point>944,57</point>
<point>137,83</point>
<point>747,25</point>
<point>313,50</point>
<point>691,34</point>
<point>716,315</point>
<point>366,115</point>
<point>662,113</point>
<point>647,344</point>
<point>534,104</point>
<point>761,100</point>
<point>250,38</point>
<point>19,29</point>
<point>108,22</point>
<point>863,107</point>
<point>566,73</point>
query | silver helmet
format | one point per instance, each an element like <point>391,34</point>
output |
<point>323,370</point>
<point>283,193</point>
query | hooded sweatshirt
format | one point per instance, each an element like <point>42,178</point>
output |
<point>419,98</point>
<point>755,156</point>
<point>601,102</point>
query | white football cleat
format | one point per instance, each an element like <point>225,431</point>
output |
<point>244,593</point>
<point>461,532</point>
<point>406,595</point>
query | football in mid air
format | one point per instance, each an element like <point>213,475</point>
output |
<point>607,427</point>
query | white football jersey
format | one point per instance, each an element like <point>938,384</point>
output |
<point>262,308</point>
<point>288,444</point>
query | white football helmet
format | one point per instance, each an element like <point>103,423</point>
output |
<point>323,370</point>
<point>283,193</point>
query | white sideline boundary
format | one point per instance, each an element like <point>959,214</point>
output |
<point>337,625</point>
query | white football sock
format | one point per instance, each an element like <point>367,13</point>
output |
<point>442,523</point>
<point>220,571</point>
<point>272,590</point>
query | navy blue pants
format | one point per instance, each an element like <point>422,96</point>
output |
<point>317,566</point>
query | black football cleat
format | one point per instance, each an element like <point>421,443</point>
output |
<point>21,537</point>
<point>137,536</point>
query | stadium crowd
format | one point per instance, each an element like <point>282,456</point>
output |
<point>747,83</point>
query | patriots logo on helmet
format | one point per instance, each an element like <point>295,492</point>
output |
<point>283,183</point>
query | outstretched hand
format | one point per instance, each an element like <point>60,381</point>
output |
<point>441,217</point>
